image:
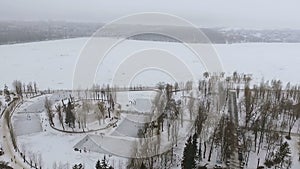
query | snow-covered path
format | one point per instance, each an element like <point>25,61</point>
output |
<point>10,155</point>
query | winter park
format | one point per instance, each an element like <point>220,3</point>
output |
<point>149,87</point>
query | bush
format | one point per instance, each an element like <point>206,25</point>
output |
<point>269,163</point>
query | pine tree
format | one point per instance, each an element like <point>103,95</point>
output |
<point>188,161</point>
<point>195,148</point>
<point>103,164</point>
<point>282,157</point>
<point>79,166</point>
<point>98,166</point>
<point>70,118</point>
<point>143,166</point>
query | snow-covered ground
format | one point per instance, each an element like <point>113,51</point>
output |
<point>55,147</point>
<point>52,63</point>
<point>39,141</point>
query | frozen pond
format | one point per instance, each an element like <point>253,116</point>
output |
<point>27,123</point>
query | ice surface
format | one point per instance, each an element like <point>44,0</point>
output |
<point>52,63</point>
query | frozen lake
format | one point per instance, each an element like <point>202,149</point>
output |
<point>52,63</point>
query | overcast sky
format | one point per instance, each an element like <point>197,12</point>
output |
<point>271,14</point>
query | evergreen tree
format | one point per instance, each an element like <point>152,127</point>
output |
<point>188,161</point>
<point>79,166</point>
<point>103,164</point>
<point>70,118</point>
<point>143,166</point>
<point>195,148</point>
<point>282,157</point>
<point>98,165</point>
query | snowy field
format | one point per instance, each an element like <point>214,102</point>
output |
<point>56,147</point>
<point>52,63</point>
<point>39,140</point>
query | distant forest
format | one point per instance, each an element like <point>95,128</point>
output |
<point>20,32</point>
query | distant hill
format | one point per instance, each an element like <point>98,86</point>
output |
<point>20,32</point>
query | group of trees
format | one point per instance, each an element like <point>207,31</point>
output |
<point>29,89</point>
<point>5,165</point>
<point>7,97</point>
<point>281,158</point>
<point>6,94</point>
<point>18,87</point>
<point>103,164</point>
<point>48,107</point>
<point>271,111</point>
<point>225,138</point>
<point>165,121</point>
<point>74,112</point>
<point>169,114</point>
<point>78,166</point>
<point>1,105</point>
<point>67,109</point>
<point>97,92</point>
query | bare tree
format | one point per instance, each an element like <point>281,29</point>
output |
<point>60,116</point>
<point>86,93</point>
<point>101,114</point>
<point>293,115</point>
<point>189,85</point>
<point>200,120</point>
<point>48,105</point>
<point>35,87</point>
<point>86,107</point>
<point>190,105</point>
<point>24,89</point>
<point>249,104</point>
<point>29,88</point>
<point>18,87</point>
